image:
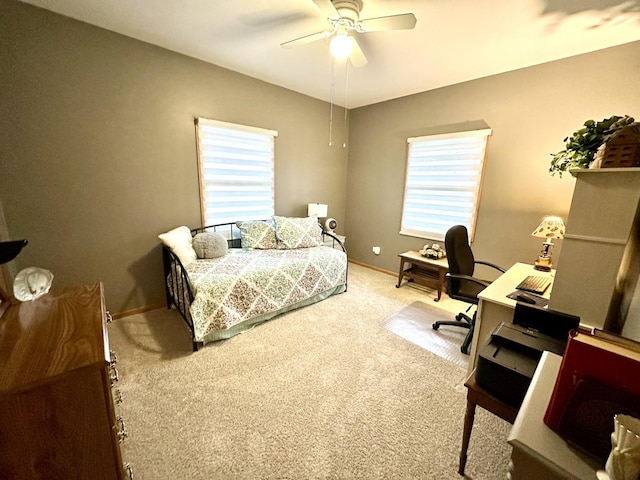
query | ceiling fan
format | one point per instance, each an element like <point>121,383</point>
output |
<point>344,18</point>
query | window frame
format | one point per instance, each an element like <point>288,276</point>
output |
<point>471,221</point>
<point>203,184</point>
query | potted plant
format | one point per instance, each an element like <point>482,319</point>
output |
<point>581,147</point>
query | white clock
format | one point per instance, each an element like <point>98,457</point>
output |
<point>330,224</point>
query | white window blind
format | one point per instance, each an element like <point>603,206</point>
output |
<point>236,170</point>
<point>443,181</point>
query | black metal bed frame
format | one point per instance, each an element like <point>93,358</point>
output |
<point>178,289</point>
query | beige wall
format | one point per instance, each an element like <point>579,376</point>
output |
<point>97,148</point>
<point>530,111</point>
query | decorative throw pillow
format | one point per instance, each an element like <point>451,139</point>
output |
<point>180,242</point>
<point>298,232</point>
<point>258,234</point>
<point>210,245</point>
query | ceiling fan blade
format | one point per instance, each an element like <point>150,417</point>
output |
<point>327,8</point>
<point>306,39</point>
<point>357,57</point>
<point>403,21</point>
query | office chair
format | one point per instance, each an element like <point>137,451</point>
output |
<point>461,284</point>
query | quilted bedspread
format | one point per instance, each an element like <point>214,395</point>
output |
<point>247,286</point>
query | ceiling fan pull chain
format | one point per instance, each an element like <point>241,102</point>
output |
<point>333,62</point>
<point>346,104</point>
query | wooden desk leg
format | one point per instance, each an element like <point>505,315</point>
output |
<point>400,274</point>
<point>441,274</point>
<point>466,435</point>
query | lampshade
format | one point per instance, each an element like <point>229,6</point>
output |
<point>319,210</point>
<point>341,46</point>
<point>550,227</point>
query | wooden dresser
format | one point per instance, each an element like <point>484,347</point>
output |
<point>57,417</point>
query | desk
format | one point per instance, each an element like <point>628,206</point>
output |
<point>476,395</point>
<point>494,306</point>
<point>537,451</point>
<point>424,271</point>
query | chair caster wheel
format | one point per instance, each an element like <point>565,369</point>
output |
<point>435,326</point>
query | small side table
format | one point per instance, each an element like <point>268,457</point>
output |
<point>476,395</point>
<point>423,271</point>
<point>330,242</point>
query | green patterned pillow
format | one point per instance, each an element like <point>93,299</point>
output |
<point>258,234</point>
<point>298,232</point>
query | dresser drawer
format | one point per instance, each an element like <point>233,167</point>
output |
<point>58,417</point>
<point>60,429</point>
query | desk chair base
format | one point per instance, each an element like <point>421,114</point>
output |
<point>464,321</point>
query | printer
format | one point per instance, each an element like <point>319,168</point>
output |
<point>506,363</point>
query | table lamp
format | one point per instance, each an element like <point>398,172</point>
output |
<point>319,210</point>
<point>549,228</point>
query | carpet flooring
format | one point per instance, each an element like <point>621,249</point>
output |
<point>324,392</point>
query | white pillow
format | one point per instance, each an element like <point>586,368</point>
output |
<point>180,241</point>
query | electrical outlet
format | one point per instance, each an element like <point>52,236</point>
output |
<point>376,250</point>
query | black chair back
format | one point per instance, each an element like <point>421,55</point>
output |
<point>461,284</point>
<point>459,256</point>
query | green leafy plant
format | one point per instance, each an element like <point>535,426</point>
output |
<point>582,145</point>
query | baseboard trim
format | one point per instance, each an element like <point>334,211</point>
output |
<point>377,269</point>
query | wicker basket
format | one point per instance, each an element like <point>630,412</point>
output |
<point>622,150</point>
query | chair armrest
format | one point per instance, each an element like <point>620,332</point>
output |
<point>458,276</point>
<point>492,265</point>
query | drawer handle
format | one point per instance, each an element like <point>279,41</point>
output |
<point>113,374</point>
<point>118,396</point>
<point>113,357</point>
<point>128,471</point>
<point>122,430</point>
<point>109,317</point>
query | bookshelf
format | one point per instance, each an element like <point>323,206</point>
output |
<point>597,271</point>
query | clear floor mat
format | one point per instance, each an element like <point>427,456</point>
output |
<point>413,323</point>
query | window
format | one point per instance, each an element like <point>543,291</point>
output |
<point>236,170</point>
<point>443,181</point>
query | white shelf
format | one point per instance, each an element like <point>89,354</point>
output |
<point>537,451</point>
<point>576,171</point>
<point>598,238</point>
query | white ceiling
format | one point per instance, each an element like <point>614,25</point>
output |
<point>453,41</point>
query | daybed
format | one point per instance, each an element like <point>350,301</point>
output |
<point>254,271</point>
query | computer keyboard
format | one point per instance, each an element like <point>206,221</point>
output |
<point>534,284</point>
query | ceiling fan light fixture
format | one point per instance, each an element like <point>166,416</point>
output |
<point>341,46</point>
